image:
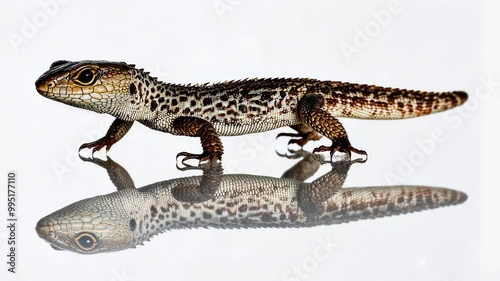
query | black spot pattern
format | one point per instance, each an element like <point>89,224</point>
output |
<point>207,101</point>
<point>153,106</point>
<point>133,89</point>
<point>154,211</point>
<point>133,225</point>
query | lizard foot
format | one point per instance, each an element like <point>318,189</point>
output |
<point>301,138</point>
<point>341,147</point>
<point>205,156</point>
<point>97,145</point>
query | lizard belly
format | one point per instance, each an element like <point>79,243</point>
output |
<point>242,126</point>
<point>229,125</point>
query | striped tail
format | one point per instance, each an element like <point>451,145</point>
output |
<point>352,204</point>
<point>373,102</point>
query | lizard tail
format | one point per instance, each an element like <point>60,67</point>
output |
<point>373,102</point>
<point>372,202</point>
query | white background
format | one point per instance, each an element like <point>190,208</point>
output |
<point>428,45</point>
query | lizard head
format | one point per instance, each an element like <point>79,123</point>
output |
<point>94,225</point>
<point>100,86</point>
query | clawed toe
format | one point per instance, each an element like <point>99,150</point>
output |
<point>358,151</point>
<point>288,135</point>
<point>205,156</point>
<point>95,146</point>
<point>299,138</point>
<point>188,156</point>
<point>347,149</point>
<point>187,167</point>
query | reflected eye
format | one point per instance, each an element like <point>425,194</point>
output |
<point>86,241</point>
<point>85,77</point>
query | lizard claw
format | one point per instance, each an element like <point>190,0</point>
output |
<point>186,167</point>
<point>300,138</point>
<point>189,156</point>
<point>95,160</point>
<point>96,145</point>
<point>205,156</point>
<point>347,149</point>
<point>288,135</point>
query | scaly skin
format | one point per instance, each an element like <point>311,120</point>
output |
<point>130,216</point>
<point>230,108</point>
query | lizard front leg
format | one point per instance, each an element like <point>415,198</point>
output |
<point>312,112</point>
<point>117,130</point>
<point>197,127</point>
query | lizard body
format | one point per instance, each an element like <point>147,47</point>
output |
<point>130,216</point>
<point>230,108</point>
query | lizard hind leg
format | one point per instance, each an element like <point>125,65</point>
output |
<point>312,112</point>
<point>210,141</point>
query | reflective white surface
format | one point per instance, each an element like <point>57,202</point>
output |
<point>425,46</point>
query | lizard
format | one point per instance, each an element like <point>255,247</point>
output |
<point>130,216</point>
<point>311,107</point>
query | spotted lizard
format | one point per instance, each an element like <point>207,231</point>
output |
<point>208,111</point>
<point>128,217</point>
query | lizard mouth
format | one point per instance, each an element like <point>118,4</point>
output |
<point>48,234</point>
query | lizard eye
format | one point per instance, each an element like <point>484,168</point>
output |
<point>86,241</point>
<point>85,77</point>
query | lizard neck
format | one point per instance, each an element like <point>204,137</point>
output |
<point>149,96</point>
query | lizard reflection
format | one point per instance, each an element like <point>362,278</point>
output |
<point>129,216</point>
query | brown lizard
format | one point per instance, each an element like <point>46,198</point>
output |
<point>208,111</point>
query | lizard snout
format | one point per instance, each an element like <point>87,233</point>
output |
<point>41,86</point>
<point>42,229</point>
